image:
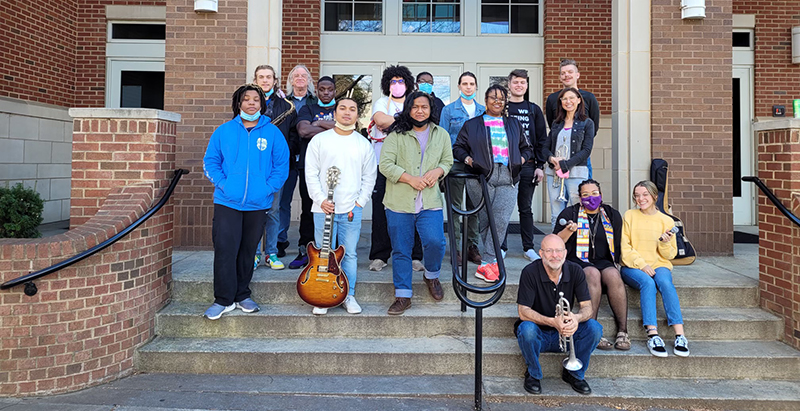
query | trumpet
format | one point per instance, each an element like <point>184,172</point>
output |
<point>560,152</point>
<point>570,363</point>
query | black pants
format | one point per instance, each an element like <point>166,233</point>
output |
<point>306,217</point>
<point>381,246</point>
<point>524,201</point>
<point>235,235</point>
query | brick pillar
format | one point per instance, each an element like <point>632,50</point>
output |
<point>115,148</point>
<point>301,20</point>
<point>691,104</point>
<point>779,239</point>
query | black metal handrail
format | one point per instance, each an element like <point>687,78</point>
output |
<point>460,284</point>
<point>771,196</point>
<point>30,287</point>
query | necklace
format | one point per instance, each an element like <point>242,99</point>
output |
<point>593,223</point>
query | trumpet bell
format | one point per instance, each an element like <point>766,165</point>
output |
<point>572,364</point>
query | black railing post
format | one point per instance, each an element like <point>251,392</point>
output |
<point>773,198</point>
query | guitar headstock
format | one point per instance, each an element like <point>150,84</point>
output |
<point>333,176</point>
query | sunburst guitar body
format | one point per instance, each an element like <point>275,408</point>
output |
<point>323,283</point>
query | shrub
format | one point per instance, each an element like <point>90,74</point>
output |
<point>20,212</point>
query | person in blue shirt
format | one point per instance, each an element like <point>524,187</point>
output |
<point>247,160</point>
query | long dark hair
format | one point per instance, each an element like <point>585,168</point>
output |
<point>503,91</point>
<point>238,96</point>
<point>561,114</point>
<point>402,120</point>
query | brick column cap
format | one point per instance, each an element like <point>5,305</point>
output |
<point>125,113</point>
<point>778,124</point>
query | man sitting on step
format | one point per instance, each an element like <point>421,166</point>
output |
<point>538,330</point>
<point>352,154</point>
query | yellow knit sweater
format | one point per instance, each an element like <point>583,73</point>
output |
<point>640,244</point>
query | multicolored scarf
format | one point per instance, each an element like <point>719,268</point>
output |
<point>582,249</point>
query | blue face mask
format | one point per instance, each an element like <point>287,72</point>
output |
<point>425,87</point>
<point>466,97</point>
<point>267,94</point>
<point>248,117</point>
<point>323,105</point>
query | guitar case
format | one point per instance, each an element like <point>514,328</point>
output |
<point>659,174</point>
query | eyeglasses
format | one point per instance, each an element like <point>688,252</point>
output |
<point>497,99</point>
<point>398,81</point>
<point>592,194</point>
<point>572,98</point>
<point>551,251</point>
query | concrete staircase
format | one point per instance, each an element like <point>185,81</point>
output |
<point>736,360</point>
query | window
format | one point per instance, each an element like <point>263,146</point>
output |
<point>142,89</point>
<point>138,31</point>
<point>431,16</point>
<point>353,15</point>
<point>509,16</point>
<point>742,39</point>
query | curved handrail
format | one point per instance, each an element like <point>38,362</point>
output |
<point>771,196</point>
<point>30,288</point>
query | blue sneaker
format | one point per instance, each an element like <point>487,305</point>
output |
<point>248,305</point>
<point>216,311</point>
<point>300,261</point>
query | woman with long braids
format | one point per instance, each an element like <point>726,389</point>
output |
<point>493,145</point>
<point>247,160</point>
<point>415,157</point>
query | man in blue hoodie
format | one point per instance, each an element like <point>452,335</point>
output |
<point>247,160</point>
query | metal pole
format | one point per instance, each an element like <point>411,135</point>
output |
<point>464,256</point>
<point>478,359</point>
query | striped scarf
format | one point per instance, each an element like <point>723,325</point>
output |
<point>582,239</point>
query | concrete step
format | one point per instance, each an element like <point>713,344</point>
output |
<point>453,356</point>
<point>193,282</point>
<point>181,319</point>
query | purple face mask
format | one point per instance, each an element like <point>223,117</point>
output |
<point>592,202</point>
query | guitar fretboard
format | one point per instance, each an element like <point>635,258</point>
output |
<point>327,232</point>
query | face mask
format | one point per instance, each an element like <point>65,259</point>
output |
<point>268,93</point>
<point>398,90</point>
<point>425,87</point>
<point>420,123</point>
<point>343,127</point>
<point>329,104</point>
<point>466,97</point>
<point>248,117</point>
<point>592,202</point>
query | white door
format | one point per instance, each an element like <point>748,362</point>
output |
<point>743,146</point>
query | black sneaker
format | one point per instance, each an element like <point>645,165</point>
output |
<point>299,262</point>
<point>282,246</point>
<point>532,385</point>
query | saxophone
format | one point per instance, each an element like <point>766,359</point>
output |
<point>279,119</point>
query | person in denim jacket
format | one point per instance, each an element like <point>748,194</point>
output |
<point>567,150</point>
<point>454,115</point>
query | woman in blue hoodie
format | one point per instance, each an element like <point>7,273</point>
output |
<point>247,160</point>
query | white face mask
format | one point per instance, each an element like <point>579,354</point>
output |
<point>343,127</point>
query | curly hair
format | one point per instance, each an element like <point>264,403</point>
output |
<point>238,97</point>
<point>402,120</point>
<point>397,71</point>
<point>500,89</point>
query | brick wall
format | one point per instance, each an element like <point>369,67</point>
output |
<point>301,20</point>
<point>775,76</point>
<point>691,126</point>
<point>580,30</point>
<point>37,50</point>
<point>83,326</point>
<point>90,65</point>
<point>205,63</point>
<point>779,240</point>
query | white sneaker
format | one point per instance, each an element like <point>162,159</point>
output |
<point>656,346</point>
<point>319,311</point>
<point>377,265</point>
<point>503,252</point>
<point>531,255</point>
<point>681,348</point>
<point>416,265</point>
<point>351,305</point>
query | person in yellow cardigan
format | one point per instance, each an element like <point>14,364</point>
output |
<point>647,246</point>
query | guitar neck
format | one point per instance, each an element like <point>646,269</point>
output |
<point>328,230</point>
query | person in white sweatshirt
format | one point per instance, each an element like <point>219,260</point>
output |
<point>352,154</point>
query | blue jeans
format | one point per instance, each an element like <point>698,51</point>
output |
<point>533,340</point>
<point>401,226</point>
<point>647,287</point>
<point>270,238</point>
<point>344,233</point>
<point>570,192</point>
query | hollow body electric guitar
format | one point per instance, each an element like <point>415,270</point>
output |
<point>323,283</point>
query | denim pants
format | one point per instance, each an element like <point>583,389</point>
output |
<point>570,192</point>
<point>647,286</point>
<point>428,224</point>
<point>344,233</point>
<point>533,340</point>
<point>270,237</point>
<point>380,247</point>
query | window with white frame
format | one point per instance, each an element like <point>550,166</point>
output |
<point>510,16</point>
<point>353,15</point>
<point>431,16</point>
<point>135,64</point>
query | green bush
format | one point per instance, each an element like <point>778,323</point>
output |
<point>20,212</point>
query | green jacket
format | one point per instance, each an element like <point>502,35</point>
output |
<point>400,154</point>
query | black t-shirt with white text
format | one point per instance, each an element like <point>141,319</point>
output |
<point>532,119</point>
<point>311,113</point>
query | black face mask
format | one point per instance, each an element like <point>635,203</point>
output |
<point>420,123</point>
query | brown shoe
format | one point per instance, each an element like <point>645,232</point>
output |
<point>399,306</point>
<point>435,288</point>
<point>473,254</point>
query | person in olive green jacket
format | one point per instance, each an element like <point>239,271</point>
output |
<point>414,157</point>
